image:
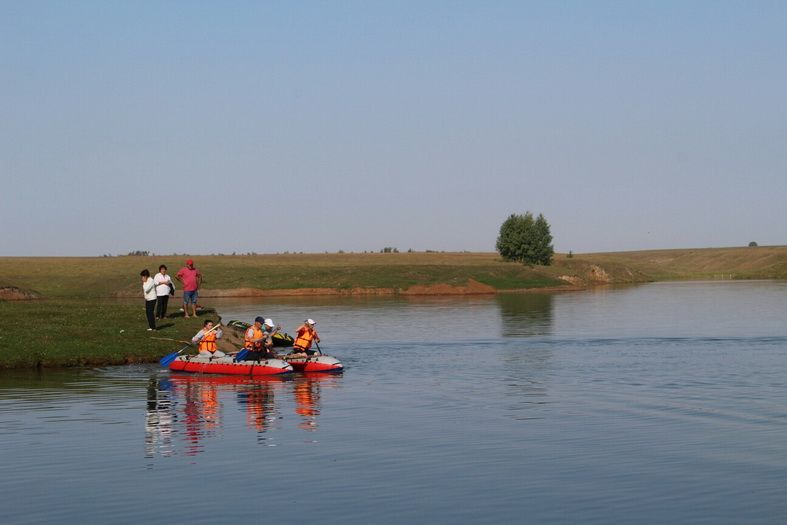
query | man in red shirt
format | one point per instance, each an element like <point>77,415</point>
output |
<point>191,279</point>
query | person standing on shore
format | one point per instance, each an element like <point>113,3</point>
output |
<point>164,287</point>
<point>191,279</point>
<point>149,290</point>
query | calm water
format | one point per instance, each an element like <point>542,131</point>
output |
<point>663,403</point>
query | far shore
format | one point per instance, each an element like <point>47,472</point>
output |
<point>417,273</point>
<point>57,311</point>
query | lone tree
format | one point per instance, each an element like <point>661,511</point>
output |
<point>523,238</point>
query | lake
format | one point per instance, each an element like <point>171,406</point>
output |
<point>659,403</point>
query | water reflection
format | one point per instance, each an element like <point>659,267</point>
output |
<point>158,421</point>
<point>193,407</point>
<point>526,314</point>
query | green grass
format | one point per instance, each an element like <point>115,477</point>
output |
<point>69,332</point>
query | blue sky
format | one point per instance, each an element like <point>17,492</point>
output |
<point>219,127</point>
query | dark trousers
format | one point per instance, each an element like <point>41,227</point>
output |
<point>161,306</point>
<point>150,306</point>
<point>259,356</point>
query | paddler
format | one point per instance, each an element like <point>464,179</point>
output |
<point>207,340</point>
<point>270,329</point>
<point>304,336</point>
<point>258,339</point>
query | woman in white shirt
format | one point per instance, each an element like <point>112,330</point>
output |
<point>164,287</point>
<point>149,290</point>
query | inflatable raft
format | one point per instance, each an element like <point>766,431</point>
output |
<point>314,363</point>
<point>228,365</point>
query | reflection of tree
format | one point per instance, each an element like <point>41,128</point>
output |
<point>526,362</point>
<point>526,314</point>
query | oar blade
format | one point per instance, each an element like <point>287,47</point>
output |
<point>168,359</point>
<point>240,356</point>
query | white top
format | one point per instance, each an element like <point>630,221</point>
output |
<point>149,289</point>
<point>162,284</point>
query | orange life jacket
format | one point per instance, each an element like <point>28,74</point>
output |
<point>254,346</point>
<point>208,343</point>
<point>304,339</point>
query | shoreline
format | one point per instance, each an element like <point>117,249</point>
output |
<point>472,288</point>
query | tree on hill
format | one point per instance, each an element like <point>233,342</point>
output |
<point>525,239</point>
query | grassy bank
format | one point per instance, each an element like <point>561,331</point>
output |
<point>76,323</point>
<point>76,332</point>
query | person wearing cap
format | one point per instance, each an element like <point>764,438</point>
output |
<point>304,336</point>
<point>269,328</point>
<point>257,341</point>
<point>191,279</point>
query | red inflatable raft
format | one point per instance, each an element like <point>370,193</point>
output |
<point>227,365</point>
<point>314,363</point>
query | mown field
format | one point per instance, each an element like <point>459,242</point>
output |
<point>79,321</point>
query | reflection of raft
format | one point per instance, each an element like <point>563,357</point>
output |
<point>227,365</point>
<point>314,363</point>
<point>279,338</point>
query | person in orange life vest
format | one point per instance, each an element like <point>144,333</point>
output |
<point>207,340</point>
<point>254,340</point>
<point>304,336</point>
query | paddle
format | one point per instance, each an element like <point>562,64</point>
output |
<point>170,339</point>
<point>318,347</point>
<point>169,358</point>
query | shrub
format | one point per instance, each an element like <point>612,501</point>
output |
<point>523,238</point>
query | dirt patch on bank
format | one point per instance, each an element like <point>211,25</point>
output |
<point>13,293</point>
<point>471,288</point>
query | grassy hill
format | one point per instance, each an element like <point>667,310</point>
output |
<point>761,262</point>
<point>90,277</point>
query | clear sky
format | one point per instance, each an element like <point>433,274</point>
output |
<point>232,126</point>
